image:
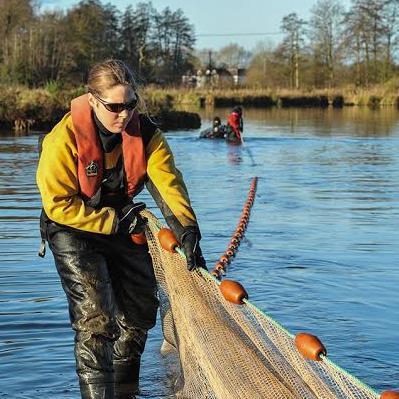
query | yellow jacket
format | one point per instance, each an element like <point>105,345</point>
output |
<point>57,179</point>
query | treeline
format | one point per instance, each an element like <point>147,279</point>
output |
<point>335,47</point>
<point>39,48</point>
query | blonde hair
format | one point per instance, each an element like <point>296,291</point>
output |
<point>108,74</point>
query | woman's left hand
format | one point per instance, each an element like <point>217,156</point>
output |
<point>192,250</point>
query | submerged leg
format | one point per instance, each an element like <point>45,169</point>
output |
<point>127,356</point>
<point>86,282</point>
<point>135,292</point>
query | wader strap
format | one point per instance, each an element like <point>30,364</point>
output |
<point>44,220</point>
<point>43,217</point>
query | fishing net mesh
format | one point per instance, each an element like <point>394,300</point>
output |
<point>229,351</point>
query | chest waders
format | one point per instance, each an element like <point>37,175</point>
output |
<point>111,291</point>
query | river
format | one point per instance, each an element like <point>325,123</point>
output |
<point>321,252</point>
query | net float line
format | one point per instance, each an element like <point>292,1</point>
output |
<point>308,345</point>
<point>221,265</point>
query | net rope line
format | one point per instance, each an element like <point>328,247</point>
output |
<point>324,379</point>
<point>235,241</point>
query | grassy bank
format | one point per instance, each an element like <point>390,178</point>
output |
<point>373,97</point>
<point>23,109</point>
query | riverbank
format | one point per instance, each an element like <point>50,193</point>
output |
<point>373,97</point>
<point>24,109</point>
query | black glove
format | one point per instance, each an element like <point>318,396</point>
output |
<point>192,250</point>
<point>130,221</point>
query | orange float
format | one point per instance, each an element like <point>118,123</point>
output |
<point>233,291</point>
<point>139,239</point>
<point>167,239</point>
<point>216,274</point>
<point>224,259</point>
<point>310,346</point>
<point>219,266</point>
<point>389,395</point>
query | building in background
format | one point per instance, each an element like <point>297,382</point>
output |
<point>214,78</point>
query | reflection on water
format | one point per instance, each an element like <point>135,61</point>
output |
<point>320,253</point>
<point>234,154</point>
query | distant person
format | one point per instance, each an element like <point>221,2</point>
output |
<point>235,126</point>
<point>217,131</point>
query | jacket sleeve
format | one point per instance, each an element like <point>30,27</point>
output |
<point>57,179</point>
<point>166,185</point>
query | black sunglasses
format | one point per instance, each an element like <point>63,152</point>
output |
<point>119,107</point>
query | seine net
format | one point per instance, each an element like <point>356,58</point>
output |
<point>229,351</point>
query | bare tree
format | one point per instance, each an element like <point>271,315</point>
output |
<point>326,25</point>
<point>390,27</point>
<point>293,27</point>
<point>365,34</point>
<point>45,51</point>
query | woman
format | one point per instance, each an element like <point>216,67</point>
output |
<point>92,164</point>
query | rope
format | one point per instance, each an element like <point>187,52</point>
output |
<point>221,265</point>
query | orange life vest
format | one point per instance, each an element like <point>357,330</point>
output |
<point>91,155</point>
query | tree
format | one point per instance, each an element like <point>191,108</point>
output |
<point>183,41</point>
<point>293,27</point>
<point>172,44</point>
<point>135,37</point>
<point>46,50</point>
<point>265,69</point>
<point>373,13</point>
<point>15,16</point>
<point>326,25</point>
<point>365,35</point>
<point>92,36</point>
<point>390,28</point>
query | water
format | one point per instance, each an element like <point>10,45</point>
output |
<point>320,255</point>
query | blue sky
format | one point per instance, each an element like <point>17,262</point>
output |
<point>225,17</point>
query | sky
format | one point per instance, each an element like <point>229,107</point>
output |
<point>218,23</point>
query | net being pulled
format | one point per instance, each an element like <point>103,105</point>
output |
<point>229,351</point>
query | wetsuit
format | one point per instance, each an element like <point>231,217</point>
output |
<point>216,132</point>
